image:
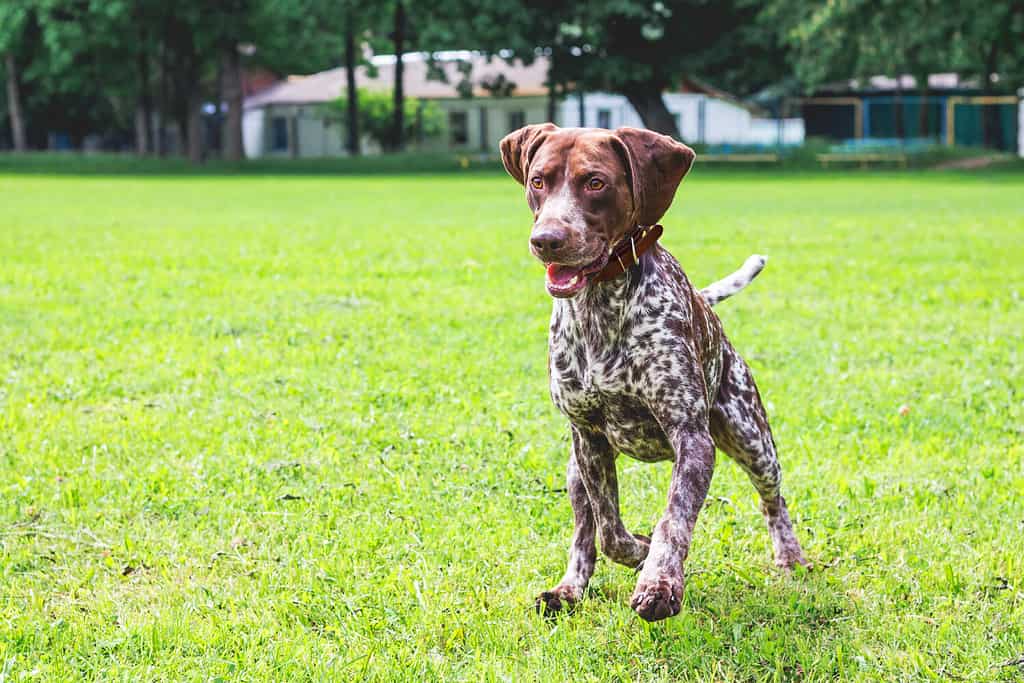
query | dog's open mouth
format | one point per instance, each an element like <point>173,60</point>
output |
<point>565,281</point>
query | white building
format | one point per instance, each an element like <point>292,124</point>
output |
<point>702,117</point>
<point>289,118</point>
<point>1020,123</point>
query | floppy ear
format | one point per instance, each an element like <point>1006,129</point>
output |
<point>657,164</point>
<point>518,148</point>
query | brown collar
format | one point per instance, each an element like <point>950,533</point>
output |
<point>628,251</point>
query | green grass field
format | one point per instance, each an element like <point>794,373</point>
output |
<point>297,428</point>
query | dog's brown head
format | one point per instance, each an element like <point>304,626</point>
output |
<point>588,187</point>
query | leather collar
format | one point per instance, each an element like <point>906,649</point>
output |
<point>628,251</point>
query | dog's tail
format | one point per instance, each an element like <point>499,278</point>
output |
<point>727,286</point>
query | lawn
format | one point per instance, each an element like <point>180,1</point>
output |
<point>297,428</point>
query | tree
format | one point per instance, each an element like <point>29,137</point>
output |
<point>287,36</point>
<point>14,16</point>
<point>303,36</point>
<point>233,23</point>
<point>641,49</point>
<point>123,67</point>
<point>398,38</point>
<point>377,117</point>
<point>990,46</point>
<point>14,103</point>
<point>634,47</point>
<point>861,38</point>
<point>351,91</point>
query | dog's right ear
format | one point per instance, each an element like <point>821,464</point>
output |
<point>518,148</point>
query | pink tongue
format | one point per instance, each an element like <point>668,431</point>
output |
<point>560,275</point>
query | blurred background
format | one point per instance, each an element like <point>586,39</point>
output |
<point>927,82</point>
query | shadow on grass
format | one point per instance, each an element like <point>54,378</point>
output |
<point>107,164</point>
<point>782,627</point>
<point>100,164</point>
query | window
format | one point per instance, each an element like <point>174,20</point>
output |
<point>458,126</point>
<point>278,134</point>
<point>604,118</point>
<point>516,120</point>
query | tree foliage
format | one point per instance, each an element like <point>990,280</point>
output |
<point>839,39</point>
<point>118,66</point>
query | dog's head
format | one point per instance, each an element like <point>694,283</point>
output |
<point>588,187</point>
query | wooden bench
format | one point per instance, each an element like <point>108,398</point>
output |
<point>863,158</point>
<point>739,158</point>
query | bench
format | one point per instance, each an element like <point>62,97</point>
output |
<point>863,158</point>
<point>739,158</point>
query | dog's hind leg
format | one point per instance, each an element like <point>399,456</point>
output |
<point>739,427</point>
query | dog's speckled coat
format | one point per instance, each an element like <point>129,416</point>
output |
<point>640,365</point>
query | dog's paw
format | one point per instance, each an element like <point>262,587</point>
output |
<point>558,599</point>
<point>789,559</point>
<point>658,599</point>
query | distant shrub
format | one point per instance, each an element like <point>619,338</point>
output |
<point>423,119</point>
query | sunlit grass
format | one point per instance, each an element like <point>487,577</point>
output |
<point>284,428</point>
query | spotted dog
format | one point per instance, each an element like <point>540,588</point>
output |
<point>638,362</point>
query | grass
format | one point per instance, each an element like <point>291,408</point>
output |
<point>296,428</point>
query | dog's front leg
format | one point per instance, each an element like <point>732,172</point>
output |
<point>582,552</point>
<point>596,461</point>
<point>659,589</point>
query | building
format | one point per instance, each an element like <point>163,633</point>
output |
<point>881,109</point>
<point>289,119</point>
<point>1020,123</point>
<point>703,116</point>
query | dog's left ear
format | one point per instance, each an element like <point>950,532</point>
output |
<point>519,146</point>
<point>657,164</point>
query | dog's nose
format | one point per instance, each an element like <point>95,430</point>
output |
<point>547,241</point>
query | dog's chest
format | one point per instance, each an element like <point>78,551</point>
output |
<point>598,386</point>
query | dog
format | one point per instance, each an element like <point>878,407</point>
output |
<point>637,360</point>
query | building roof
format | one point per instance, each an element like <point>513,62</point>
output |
<point>529,80</point>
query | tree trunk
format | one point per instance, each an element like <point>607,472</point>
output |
<point>185,73</point>
<point>352,101</point>
<point>195,125</point>
<point>897,108</point>
<point>994,137</point>
<point>647,101</point>
<point>182,121</point>
<point>14,104</point>
<point>552,89</point>
<point>583,109</point>
<point>398,127</point>
<point>921,81</point>
<point>162,104</point>
<point>923,128</point>
<point>992,131</point>
<point>143,107</point>
<point>141,135</point>
<point>233,96</point>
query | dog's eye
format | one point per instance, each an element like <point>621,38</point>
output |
<point>537,183</point>
<point>595,184</point>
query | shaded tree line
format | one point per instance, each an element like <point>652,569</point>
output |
<point>141,67</point>
<point>147,65</point>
